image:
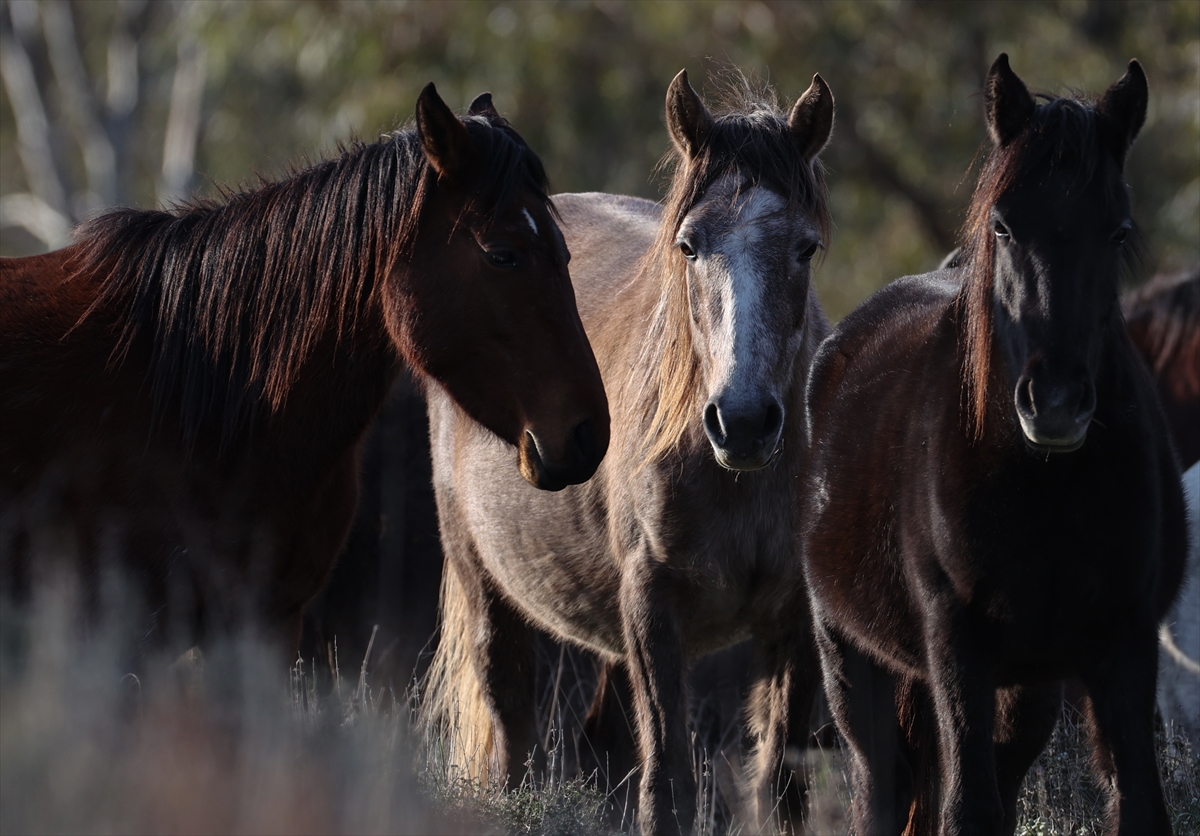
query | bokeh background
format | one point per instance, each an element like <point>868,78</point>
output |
<point>133,102</point>
<point>129,102</point>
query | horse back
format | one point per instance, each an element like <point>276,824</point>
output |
<point>608,235</point>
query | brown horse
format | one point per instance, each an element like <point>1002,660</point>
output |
<point>703,319</point>
<point>183,394</point>
<point>1163,320</point>
<point>993,505</point>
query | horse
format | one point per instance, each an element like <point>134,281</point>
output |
<point>992,503</point>
<point>1163,319</point>
<point>184,393</point>
<point>703,318</point>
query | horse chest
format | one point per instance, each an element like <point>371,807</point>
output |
<point>1061,566</point>
<point>733,553</point>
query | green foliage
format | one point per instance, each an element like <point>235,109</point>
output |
<point>584,82</point>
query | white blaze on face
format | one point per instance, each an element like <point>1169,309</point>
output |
<point>741,348</point>
<point>529,218</point>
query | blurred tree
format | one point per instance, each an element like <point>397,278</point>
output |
<point>246,87</point>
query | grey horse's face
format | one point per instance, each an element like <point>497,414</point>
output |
<point>749,266</point>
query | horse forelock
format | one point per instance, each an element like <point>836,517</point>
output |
<point>750,141</point>
<point>1064,132</point>
<point>507,166</point>
<point>233,295</point>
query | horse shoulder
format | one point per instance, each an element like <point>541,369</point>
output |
<point>906,313</point>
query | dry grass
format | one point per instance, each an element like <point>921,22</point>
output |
<point>230,743</point>
<point>86,747</point>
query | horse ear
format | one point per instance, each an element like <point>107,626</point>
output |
<point>482,106</point>
<point>811,119</point>
<point>688,120</point>
<point>1009,105</point>
<point>1121,111</point>
<point>444,138</point>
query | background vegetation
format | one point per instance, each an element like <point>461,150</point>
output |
<point>147,102</point>
<point>128,102</point>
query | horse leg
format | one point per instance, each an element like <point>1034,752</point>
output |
<point>862,700</point>
<point>964,700</point>
<point>1120,717</point>
<point>1025,719</point>
<point>607,745</point>
<point>920,784</point>
<point>779,707</point>
<point>503,652</point>
<point>656,663</point>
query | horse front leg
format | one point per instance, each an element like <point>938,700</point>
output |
<point>861,698</point>
<point>964,700</point>
<point>778,709</point>
<point>1025,719</point>
<point>656,665</point>
<point>607,743</point>
<point>1121,721</point>
<point>504,653</point>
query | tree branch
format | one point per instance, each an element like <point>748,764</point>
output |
<point>33,128</point>
<point>99,159</point>
<point>36,217</point>
<point>183,122</point>
<point>932,213</point>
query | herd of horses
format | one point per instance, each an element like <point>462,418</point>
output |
<point>940,510</point>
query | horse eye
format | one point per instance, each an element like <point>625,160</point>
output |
<point>810,251</point>
<point>1001,230</point>
<point>504,259</point>
<point>686,249</point>
<point>1120,235</point>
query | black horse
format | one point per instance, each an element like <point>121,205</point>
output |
<point>993,504</point>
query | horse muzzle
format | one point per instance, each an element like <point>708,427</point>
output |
<point>744,439</point>
<point>582,451</point>
<point>1055,418</point>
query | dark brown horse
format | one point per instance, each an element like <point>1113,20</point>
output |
<point>183,394</point>
<point>1163,320</point>
<point>704,320</point>
<point>993,505</point>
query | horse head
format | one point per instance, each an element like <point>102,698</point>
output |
<point>746,242</point>
<point>1060,228</point>
<point>490,311</point>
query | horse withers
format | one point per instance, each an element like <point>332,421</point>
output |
<point>993,505</point>
<point>704,320</point>
<point>183,393</point>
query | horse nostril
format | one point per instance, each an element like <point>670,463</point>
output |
<point>1025,404</point>
<point>583,441</point>
<point>773,420</point>
<point>1087,403</point>
<point>712,423</point>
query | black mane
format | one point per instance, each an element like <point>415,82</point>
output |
<point>233,295</point>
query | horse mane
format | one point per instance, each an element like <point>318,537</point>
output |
<point>1064,131</point>
<point>233,295</point>
<point>1163,317</point>
<point>750,138</point>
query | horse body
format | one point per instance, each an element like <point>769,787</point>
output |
<point>568,577</point>
<point>660,557</point>
<point>80,461</point>
<point>185,394</point>
<point>1163,318</point>
<point>993,504</point>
